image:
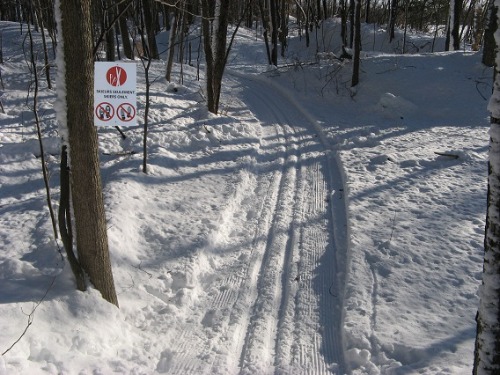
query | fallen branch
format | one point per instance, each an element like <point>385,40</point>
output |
<point>123,153</point>
<point>447,154</point>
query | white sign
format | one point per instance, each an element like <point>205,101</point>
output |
<point>115,99</point>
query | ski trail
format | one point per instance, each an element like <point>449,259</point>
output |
<point>259,346</point>
<point>277,307</point>
<point>213,342</point>
<point>307,297</point>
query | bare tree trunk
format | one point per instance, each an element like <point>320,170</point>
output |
<point>274,32</point>
<point>215,48</point>
<point>146,63</point>
<point>455,26</point>
<point>122,21</point>
<point>487,346</point>
<point>489,38</point>
<point>44,43</point>
<point>283,34</point>
<point>357,43</point>
<point>110,33</point>
<point>403,48</point>
<point>39,135</point>
<point>352,9</point>
<point>171,44</point>
<point>343,23</point>
<point>88,204</point>
<point>265,25</point>
<point>150,28</point>
<point>392,18</point>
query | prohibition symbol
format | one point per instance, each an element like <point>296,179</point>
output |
<point>116,76</point>
<point>104,111</point>
<point>125,112</point>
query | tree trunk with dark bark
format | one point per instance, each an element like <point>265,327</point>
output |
<point>86,191</point>
<point>357,43</point>
<point>214,28</point>
<point>489,35</point>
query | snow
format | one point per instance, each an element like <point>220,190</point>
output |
<point>307,228</point>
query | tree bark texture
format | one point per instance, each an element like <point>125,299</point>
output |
<point>88,204</point>
<point>392,18</point>
<point>122,21</point>
<point>487,346</point>
<point>274,31</point>
<point>455,27</point>
<point>357,43</point>
<point>150,22</point>
<point>214,28</point>
<point>489,35</point>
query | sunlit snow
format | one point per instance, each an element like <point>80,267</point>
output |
<point>307,228</point>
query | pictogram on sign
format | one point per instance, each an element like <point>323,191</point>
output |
<point>104,111</point>
<point>125,112</point>
<point>116,76</point>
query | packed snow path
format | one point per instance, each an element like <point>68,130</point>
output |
<point>279,311</point>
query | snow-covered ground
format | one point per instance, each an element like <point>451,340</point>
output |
<point>308,228</point>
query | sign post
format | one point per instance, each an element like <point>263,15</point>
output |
<point>115,99</point>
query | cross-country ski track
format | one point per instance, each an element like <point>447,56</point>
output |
<point>280,310</point>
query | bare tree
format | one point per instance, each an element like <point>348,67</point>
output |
<point>487,348</point>
<point>392,18</point>
<point>456,12</point>
<point>489,38</point>
<point>122,21</point>
<point>85,179</point>
<point>171,43</point>
<point>214,17</point>
<point>357,43</point>
<point>34,71</point>
<point>150,25</point>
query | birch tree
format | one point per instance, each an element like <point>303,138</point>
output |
<point>487,348</point>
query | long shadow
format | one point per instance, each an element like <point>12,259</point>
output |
<point>415,359</point>
<point>431,168</point>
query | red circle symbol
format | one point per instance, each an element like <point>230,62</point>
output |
<point>116,76</point>
<point>125,112</point>
<point>104,111</point>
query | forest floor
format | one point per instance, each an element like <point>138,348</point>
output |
<point>309,228</point>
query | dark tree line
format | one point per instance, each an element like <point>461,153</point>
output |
<point>119,22</point>
<point>130,27</point>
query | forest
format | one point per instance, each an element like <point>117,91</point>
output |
<point>307,187</point>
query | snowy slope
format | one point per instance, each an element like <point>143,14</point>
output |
<point>308,228</point>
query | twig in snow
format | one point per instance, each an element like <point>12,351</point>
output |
<point>30,316</point>
<point>477,88</point>
<point>140,269</point>
<point>393,226</point>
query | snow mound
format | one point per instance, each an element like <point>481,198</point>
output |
<point>394,106</point>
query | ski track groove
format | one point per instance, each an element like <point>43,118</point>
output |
<point>274,312</point>
<point>259,347</point>
<point>317,198</point>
